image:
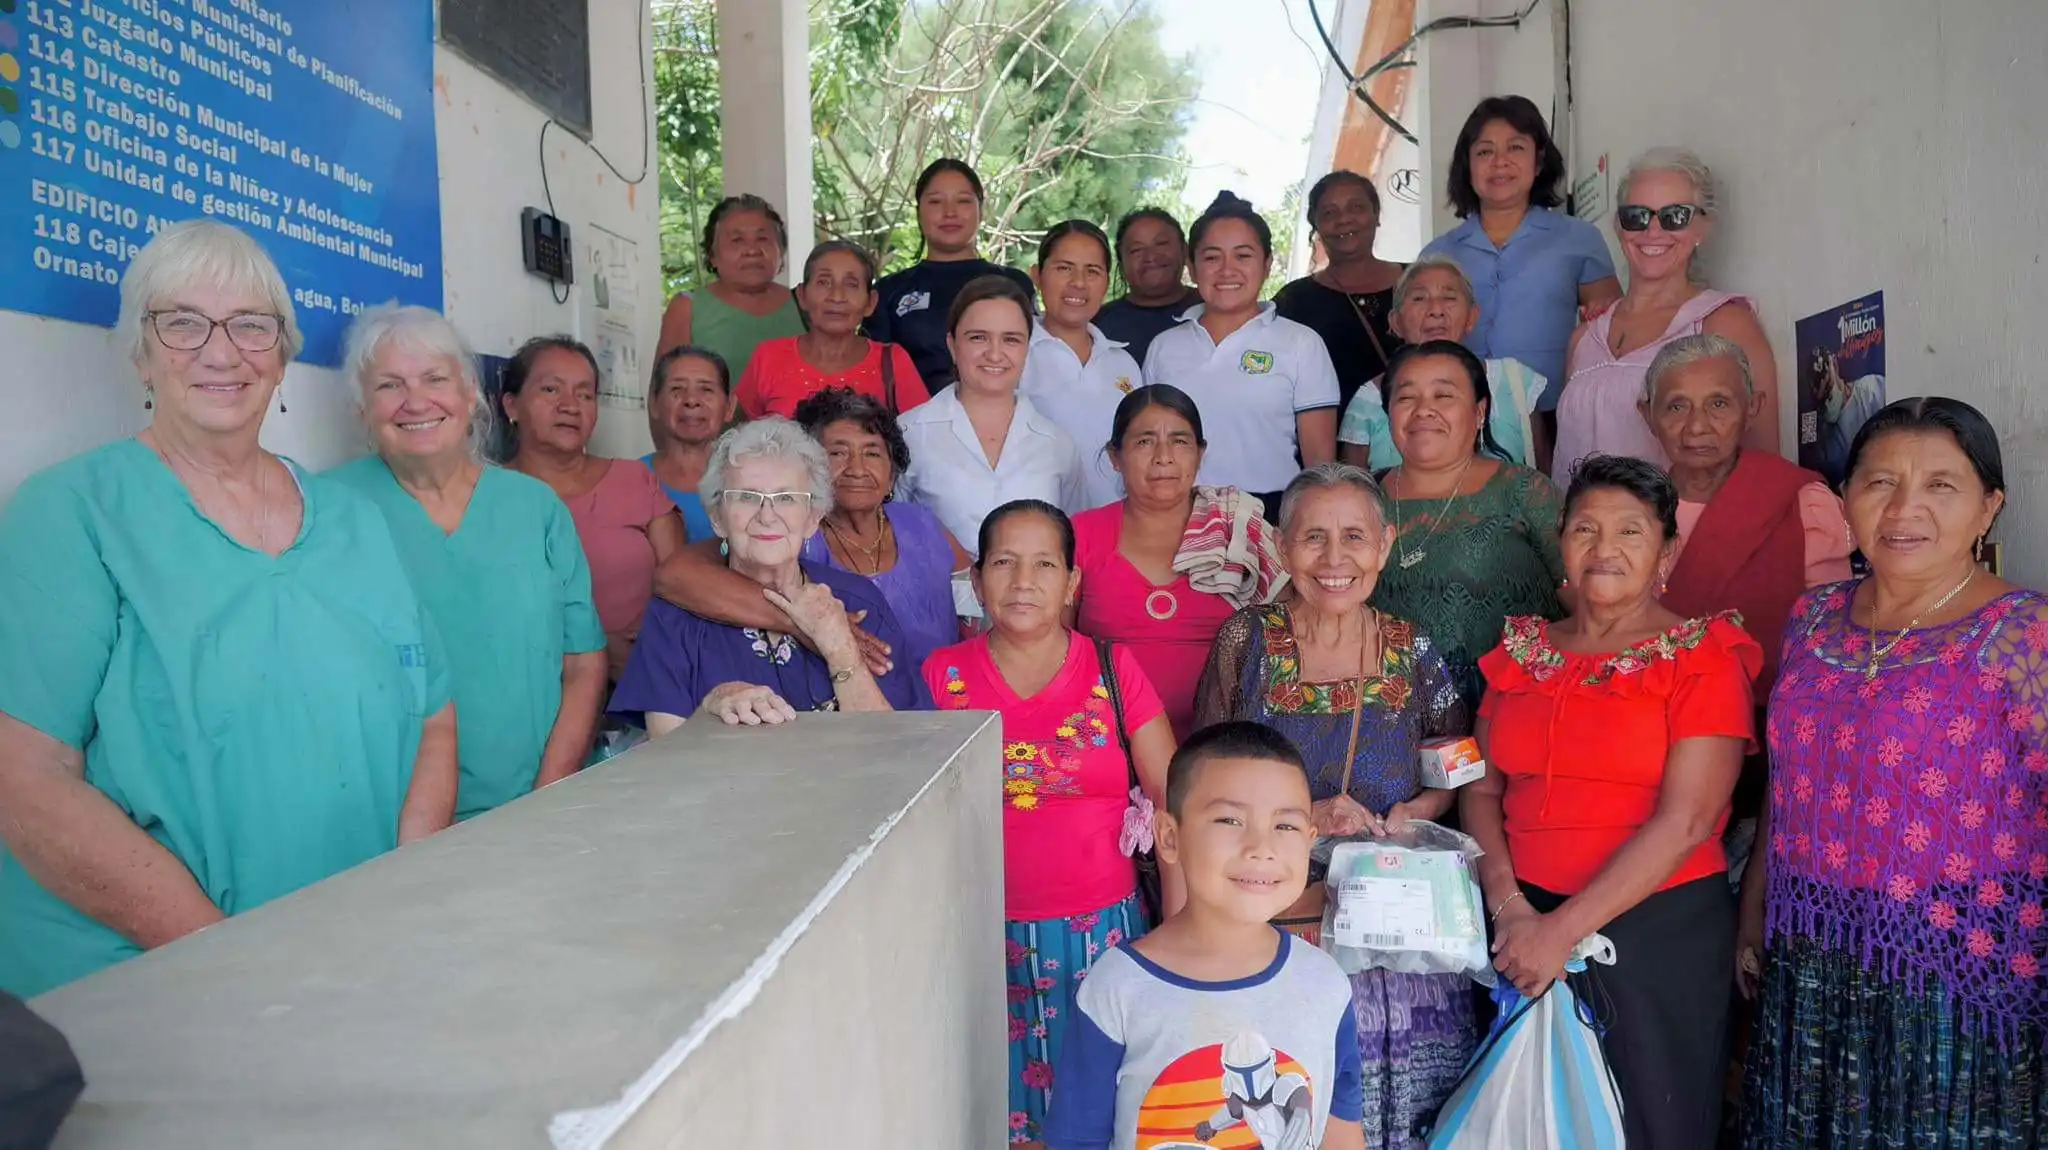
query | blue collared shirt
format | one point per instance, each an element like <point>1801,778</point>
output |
<point>1528,289</point>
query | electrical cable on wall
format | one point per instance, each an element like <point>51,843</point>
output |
<point>646,140</point>
<point>1394,59</point>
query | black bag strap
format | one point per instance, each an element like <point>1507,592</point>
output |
<point>889,377</point>
<point>1105,657</point>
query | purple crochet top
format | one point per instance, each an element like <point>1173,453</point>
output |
<point>1909,811</point>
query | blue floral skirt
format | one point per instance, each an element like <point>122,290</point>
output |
<point>1048,960</point>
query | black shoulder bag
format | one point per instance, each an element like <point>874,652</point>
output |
<point>1146,861</point>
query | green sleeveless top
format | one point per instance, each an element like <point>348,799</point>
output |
<point>1494,554</point>
<point>735,334</point>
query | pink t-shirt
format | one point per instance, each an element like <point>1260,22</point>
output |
<point>1065,782</point>
<point>778,378</point>
<point>1169,628</point>
<point>611,520</point>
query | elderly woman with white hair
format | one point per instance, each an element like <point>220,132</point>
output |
<point>216,682</point>
<point>767,487</point>
<point>1670,205</point>
<point>1357,690</point>
<point>1433,300</point>
<point>493,553</point>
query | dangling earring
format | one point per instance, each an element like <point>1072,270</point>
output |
<point>1977,549</point>
<point>280,400</point>
<point>149,399</point>
<point>723,550</point>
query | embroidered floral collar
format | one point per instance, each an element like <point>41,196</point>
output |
<point>1527,642</point>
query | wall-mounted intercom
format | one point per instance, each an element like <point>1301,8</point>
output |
<point>544,241</point>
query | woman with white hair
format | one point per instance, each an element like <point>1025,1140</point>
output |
<point>1670,205</point>
<point>767,487</point>
<point>216,682</point>
<point>493,553</point>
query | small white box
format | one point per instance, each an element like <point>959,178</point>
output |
<point>1451,761</point>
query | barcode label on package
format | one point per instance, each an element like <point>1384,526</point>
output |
<point>1385,914</point>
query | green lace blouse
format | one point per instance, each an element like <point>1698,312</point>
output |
<point>1494,554</point>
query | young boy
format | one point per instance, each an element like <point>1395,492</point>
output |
<point>1218,1028</point>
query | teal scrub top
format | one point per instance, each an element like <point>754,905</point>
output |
<point>509,592</point>
<point>258,717</point>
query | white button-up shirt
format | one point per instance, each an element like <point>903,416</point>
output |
<point>1249,389</point>
<point>1082,398</point>
<point>950,473</point>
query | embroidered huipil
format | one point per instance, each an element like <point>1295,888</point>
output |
<point>1582,740</point>
<point>1909,810</point>
<point>1066,784</point>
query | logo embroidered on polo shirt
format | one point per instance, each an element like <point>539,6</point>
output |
<point>1256,363</point>
<point>1123,384</point>
<point>915,301</point>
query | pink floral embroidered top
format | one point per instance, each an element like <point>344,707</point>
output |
<point>1909,809</point>
<point>1582,740</point>
<point>1065,781</point>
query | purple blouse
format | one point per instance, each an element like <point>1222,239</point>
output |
<point>1909,810</point>
<point>680,657</point>
<point>919,587</point>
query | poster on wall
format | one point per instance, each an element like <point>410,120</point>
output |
<point>612,288</point>
<point>1841,380</point>
<point>308,124</point>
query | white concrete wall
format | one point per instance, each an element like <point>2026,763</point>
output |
<point>65,390</point>
<point>1458,67</point>
<point>1862,145</point>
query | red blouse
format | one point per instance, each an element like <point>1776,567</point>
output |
<point>1582,740</point>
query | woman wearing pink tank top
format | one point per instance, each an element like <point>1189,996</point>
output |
<point>1668,209</point>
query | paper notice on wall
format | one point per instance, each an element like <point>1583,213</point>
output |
<point>1840,360</point>
<point>611,289</point>
<point>1593,192</point>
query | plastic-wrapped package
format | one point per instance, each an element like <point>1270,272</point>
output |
<point>1408,902</point>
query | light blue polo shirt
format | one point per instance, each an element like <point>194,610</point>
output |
<point>1528,289</point>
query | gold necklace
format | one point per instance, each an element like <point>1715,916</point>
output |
<point>874,553</point>
<point>1411,558</point>
<point>1878,653</point>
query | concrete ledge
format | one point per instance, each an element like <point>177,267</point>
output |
<point>726,938</point>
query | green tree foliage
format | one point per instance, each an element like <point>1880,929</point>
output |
<point>1068,108</point>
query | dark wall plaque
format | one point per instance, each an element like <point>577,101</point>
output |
<point>540,47</point>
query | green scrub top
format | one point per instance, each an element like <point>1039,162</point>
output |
<point>258,717</point>
<point>509,592</point>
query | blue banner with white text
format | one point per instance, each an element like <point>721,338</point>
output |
<point>307,123</point>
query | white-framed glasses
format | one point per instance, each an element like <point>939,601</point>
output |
<point>749,503</point>
<point>189,330</point>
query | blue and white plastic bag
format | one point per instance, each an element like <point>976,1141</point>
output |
<point>1540,1078</point>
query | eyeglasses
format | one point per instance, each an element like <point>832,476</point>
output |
<point>750,503</point>
<point>1674,217</point>
<point>189,330</point>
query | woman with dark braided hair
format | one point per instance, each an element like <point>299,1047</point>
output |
<point>745,243</point>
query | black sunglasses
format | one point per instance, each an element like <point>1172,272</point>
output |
<point>1636,217</point>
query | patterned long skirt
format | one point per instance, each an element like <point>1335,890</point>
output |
<point>1843,1059</point>
<point>1415,1032</point>
<point>1047,961</point>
